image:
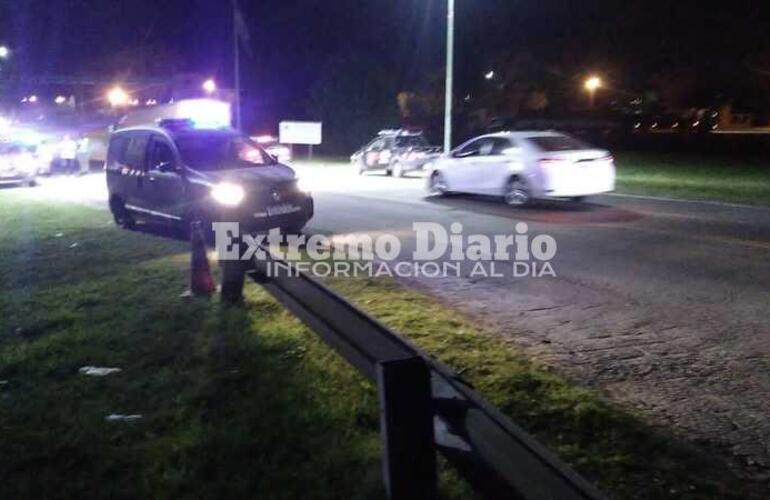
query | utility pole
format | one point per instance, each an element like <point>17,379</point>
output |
<point>236,65</point>
<point>450,49</point>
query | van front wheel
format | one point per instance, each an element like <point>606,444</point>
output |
<point>121,215</point>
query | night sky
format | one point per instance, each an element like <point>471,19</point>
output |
<point>722,44</point>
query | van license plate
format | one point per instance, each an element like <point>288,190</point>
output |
<point>281,210</point>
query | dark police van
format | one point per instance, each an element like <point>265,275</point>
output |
<point>177,173</point>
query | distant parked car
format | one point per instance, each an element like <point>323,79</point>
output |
<point>46,156</point>
<point>522,166</point>
<point>395,152</point>
<point>18,165</point>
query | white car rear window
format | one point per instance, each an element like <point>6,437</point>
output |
<point>552,143</point>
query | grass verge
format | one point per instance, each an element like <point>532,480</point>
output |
<point>694,177</point>
<point>245,403</point>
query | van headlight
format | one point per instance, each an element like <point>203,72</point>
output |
<point>303,185</point>
<point>228,194</point>
<point>26,164</point>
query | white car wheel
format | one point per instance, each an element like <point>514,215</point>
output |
<point>438,185</point>
<point>517,193</point>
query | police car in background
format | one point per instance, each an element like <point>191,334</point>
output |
<point>396,152</point>
<point>177,173</point>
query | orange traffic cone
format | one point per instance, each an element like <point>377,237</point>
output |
<point>201,280</point>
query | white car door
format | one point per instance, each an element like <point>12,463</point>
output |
<point>493,165</point>
<point>460,172</point>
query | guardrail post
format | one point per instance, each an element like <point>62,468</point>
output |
<point>406,427</point>
<point>233,275</point>
<point>201,281</point>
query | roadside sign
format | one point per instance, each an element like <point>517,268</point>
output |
<point>300,133</point>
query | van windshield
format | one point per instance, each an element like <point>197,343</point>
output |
<point>221,152</point>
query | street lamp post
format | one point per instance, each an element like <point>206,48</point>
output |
<point>237,34</point>
<point>450,40</point>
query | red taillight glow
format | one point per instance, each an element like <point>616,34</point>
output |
<point>553,162</point>
<point>547,163</point>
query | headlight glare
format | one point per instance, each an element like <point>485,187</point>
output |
<point>303,185</point>
<point>228,194</point>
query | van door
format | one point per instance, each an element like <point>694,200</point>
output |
<point>164,181</point>
<point>132,168</point>
<point>115,167</point>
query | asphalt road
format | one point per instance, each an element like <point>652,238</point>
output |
<point>663,305</point>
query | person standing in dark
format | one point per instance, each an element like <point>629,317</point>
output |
<point>84,155</point>
<point>68,151</point>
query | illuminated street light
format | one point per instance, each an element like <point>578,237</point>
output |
<point>60,99</point>
<point>4,52</point>
<point>592,84</point>
<point>209,86</point>
<point>32,98</point>
<point>117,97</point>
<point>489,75</point>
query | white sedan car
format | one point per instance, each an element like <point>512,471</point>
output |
<point>522,166</point>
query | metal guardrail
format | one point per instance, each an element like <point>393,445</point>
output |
<point>424,405</point>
